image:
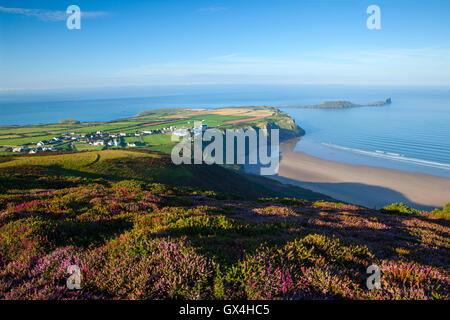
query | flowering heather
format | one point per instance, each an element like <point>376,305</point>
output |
<point>133,240</point>
<point>136,267</point>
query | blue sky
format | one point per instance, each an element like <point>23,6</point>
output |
<point>126,43</point>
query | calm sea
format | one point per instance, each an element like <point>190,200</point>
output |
<point>413,133</point>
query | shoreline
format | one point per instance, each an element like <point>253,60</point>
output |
<point>368,186</point>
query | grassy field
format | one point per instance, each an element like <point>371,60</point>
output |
<point>157,139</point>
<point>73,161</point>
<point>84,147</point>
<point>139,164</point>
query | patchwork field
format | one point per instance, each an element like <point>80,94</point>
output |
<point>150,120</point>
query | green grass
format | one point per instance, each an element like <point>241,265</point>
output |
<point>83,147</point>
<point>117,164</point>
<point>80,161</point>
<point>157,139</point>
<point>25,140</point>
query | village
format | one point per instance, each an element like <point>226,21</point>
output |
<point>98,140</point>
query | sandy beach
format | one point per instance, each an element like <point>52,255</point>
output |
<point>368,186</point>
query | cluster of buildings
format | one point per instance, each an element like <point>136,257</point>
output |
<point>101,138</point>
<point>157,131</point>
<point>98,138</point>
<point>188,131</point>
<point>34,150</point>
<point>41,146</point>
<point>49,142</point>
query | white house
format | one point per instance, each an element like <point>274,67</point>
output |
<point>37,150</point>
<point>98,143</point>
<point>42,143</point>
<point>114,142</point>
<point>181,132</point>
<point>20,149</point>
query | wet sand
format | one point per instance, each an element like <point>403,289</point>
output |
<point>368,186</point>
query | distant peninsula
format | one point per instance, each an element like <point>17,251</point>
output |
<point>342,105</point>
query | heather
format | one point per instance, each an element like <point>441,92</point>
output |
<point>140,240</point>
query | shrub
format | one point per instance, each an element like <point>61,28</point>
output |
<point>399,208</point>
<point>129,185</point>
<point>442,214</point>
<point>402,280</point>
<point>25,238</point>
<point>312,267</point>
<point>46,278</point>
<point>136,267</point>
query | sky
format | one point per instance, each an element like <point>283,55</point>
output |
<point>173,42</point>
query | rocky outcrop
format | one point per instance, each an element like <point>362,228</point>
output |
<point>343,105</point>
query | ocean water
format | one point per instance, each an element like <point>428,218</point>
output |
<point>412,134</point>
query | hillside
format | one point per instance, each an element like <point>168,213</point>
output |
<point>136,240</point>
<point>140,227</point>
<point>142,165</point>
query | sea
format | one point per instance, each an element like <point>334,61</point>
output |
<point>411,134</point>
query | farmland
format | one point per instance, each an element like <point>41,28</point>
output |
<point>150,120</point>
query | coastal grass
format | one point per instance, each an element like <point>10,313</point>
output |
<point>80,160</point>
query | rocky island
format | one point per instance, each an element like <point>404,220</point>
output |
<point>343,104</point>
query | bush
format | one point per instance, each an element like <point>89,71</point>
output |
<point>399,208</point>
<point>130,185</point>
<point>442,214</point>
<point>27,238</point>
<point>137,267</point>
